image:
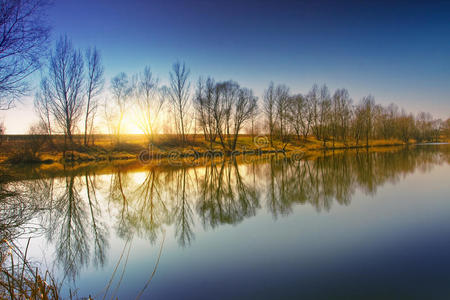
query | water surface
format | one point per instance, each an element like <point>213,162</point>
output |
<point>357,224</point>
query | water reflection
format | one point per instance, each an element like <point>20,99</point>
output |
<point>77,212</point>
<point>224,196</point>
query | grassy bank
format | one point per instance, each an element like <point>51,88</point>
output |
<point>26,149</point>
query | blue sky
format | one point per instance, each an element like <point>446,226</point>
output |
<point>398,51</point>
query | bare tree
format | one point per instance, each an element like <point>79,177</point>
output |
<point>297,115</point>
<point>323,120</point>
<point>149,102</point>
<point>121,90</point>
<point>281,107</point>
<point>243,111</point>
<point>178,93</point>
<point>313,100</point>
<point>63,86</point>
<point>358,123</point>
<point>204,104</point>
<point>269,110</point>
<point>109,118</point>
<point>23,41</point>
<point>43,109</point>
<point>367,106</point>
<point>94,86</point>
<point>405,124</point>
<point>225,103</point>
<point>341,114</point>
<point>424,127</point>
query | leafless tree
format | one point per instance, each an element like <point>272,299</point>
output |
<point>204,104</point>
<point>269,110</point>
<point>149,102</point>
<point>94,86</point>
<point>63,86</point>
<point>367,106</point>
<point>324,114</point>
<point>23,40</point>
<point>298,115</point>
<point>42,107</point>
<point>225,104</point>
<point>178,93</point>
<point>358,123</point>
<point>281,108</point>
<point>244,109</point>
<point>341,115</point>
<point>405,124</point>
<point>313,100</point>
<point>254,128</point>
<point>121,90</point>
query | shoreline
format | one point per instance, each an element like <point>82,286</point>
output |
<point>93,155</point>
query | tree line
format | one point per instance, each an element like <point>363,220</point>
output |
<point>220,111</point>
<point>333,117</point>
<point>72,98</point>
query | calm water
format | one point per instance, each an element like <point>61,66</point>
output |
<point>370,225</point>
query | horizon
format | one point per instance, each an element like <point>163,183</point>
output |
<point>399,55</point>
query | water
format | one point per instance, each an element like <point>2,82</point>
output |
<point>346,225</point>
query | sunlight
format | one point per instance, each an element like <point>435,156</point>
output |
<point>130,124</point>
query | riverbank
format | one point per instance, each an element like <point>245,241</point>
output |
<point>20,150</point>
<point>31,150</point>
<point>28,150</point>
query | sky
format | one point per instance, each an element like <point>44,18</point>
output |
<point>398,51</point>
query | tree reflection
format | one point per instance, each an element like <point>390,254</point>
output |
<point>183,213</point>
<point>73,220</point>
<point>73,208</point>
<point>98,226</point>
<point>225,197</point>
<point>68,228</point>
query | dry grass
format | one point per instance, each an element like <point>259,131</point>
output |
<point>14,148</point>
<point>19,279</point>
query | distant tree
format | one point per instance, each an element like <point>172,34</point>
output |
<point>367,106</point>
<point>121,89</point>
<point>406,126</point>
<point>243,111</point>
<point>269,110</point>
<point>341,115</point>
<point>178,93</point>
<point>386,125</point>
<point>23,42</point>
<point>42,106</point>
<point>226,99</point>
<point>63,86</point>
<point>37,137</point>
<point>437,128</point>
<point>358,123</point>
<point>313,100</point>
<point>297,115</point>
<point>109,118</point>
<point>446,128</point>
<point>205,99</point>
<point>424,127</point>
<point>254,128</point>
<point>324,114</point>
<point>94,86</point>
<point>149,102</point>
<point>281,108</point>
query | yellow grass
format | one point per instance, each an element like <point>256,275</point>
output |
<point>131,147</point>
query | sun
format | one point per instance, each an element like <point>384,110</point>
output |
<point>129,124</point>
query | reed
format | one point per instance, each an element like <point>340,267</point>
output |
<point>19,279</point>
